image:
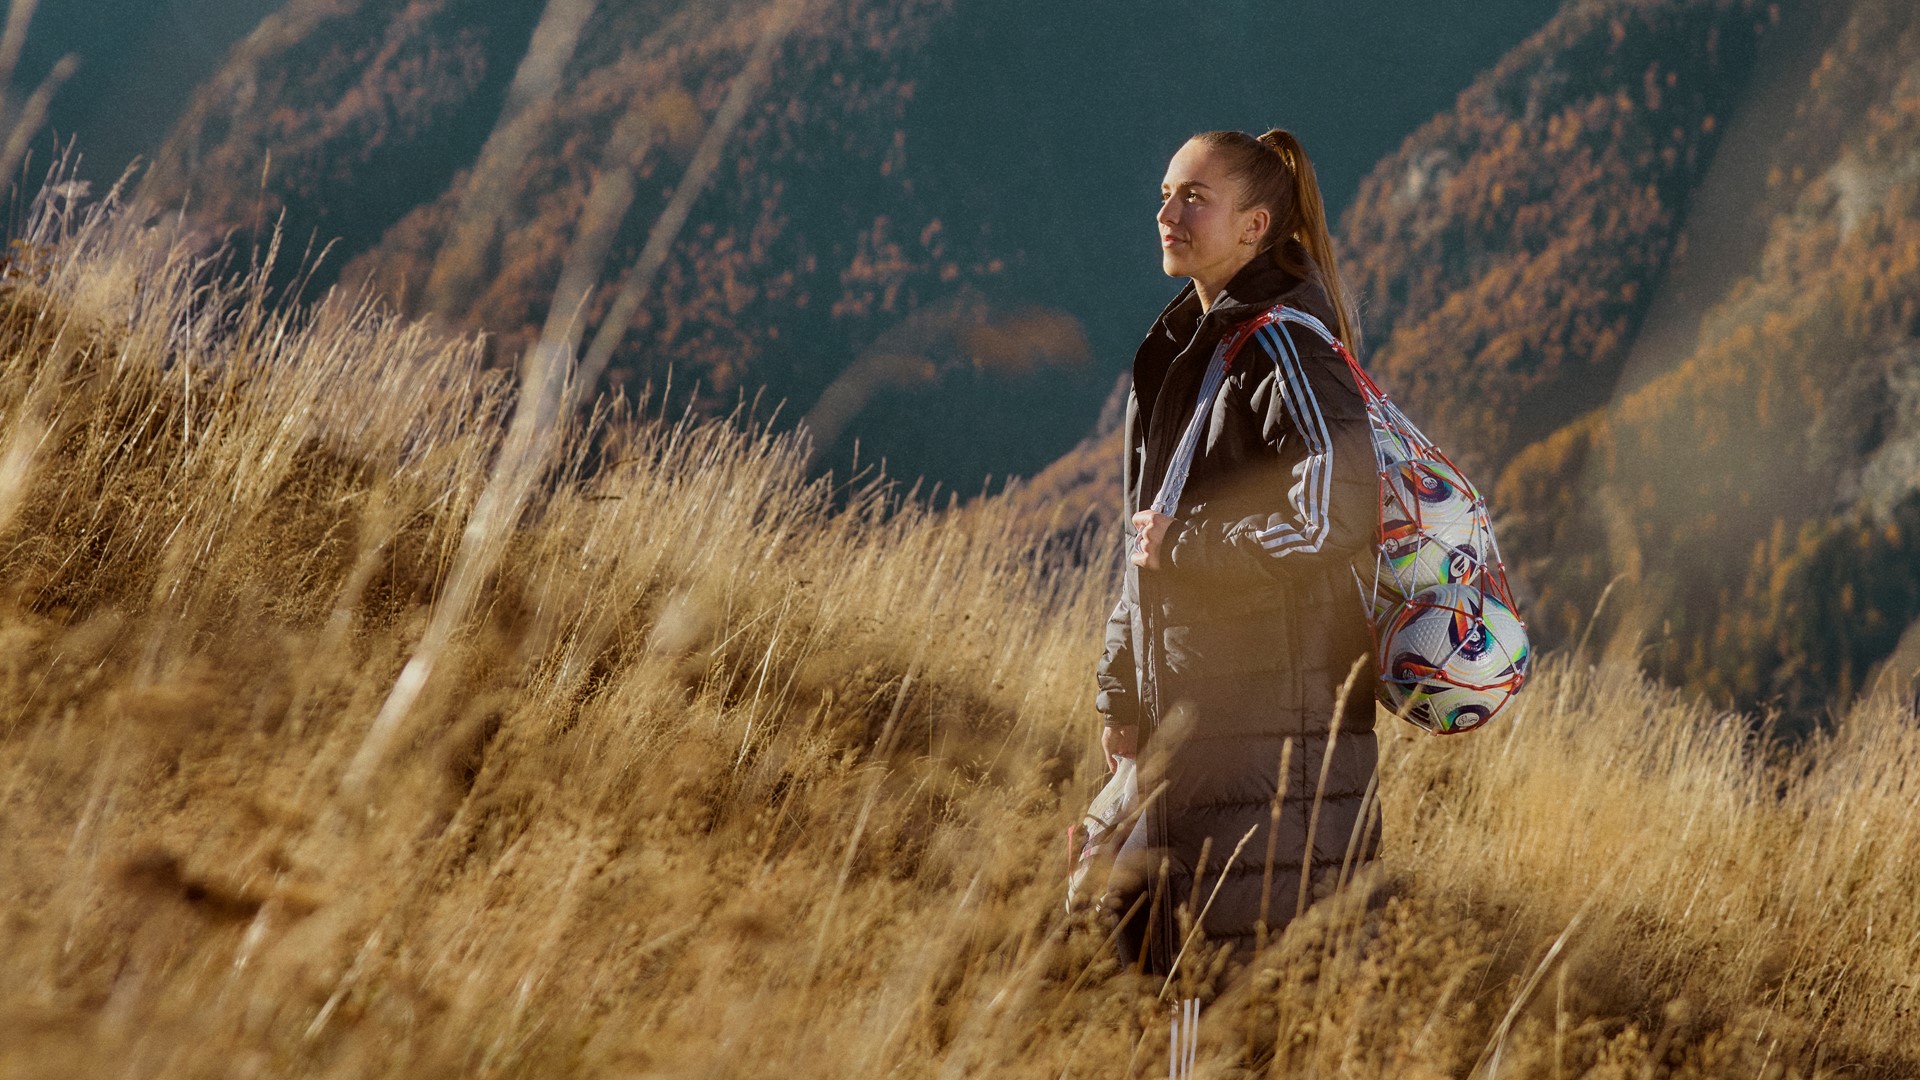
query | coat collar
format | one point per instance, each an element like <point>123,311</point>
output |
<point>1253,289</point>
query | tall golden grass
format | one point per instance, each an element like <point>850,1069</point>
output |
<point>735,773</point>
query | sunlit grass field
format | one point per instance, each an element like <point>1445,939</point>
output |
<point>720,771</point>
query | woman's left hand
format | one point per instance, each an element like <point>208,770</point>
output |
<point>1149,538</point>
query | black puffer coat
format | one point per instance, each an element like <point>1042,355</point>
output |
<point>1242,639</point>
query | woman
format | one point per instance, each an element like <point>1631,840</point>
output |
<point>1239,622</point>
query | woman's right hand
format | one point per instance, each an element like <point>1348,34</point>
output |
<point>1118,742</point>
<point>1149,538</point>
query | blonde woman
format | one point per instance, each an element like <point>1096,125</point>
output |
<point>1239,621</point>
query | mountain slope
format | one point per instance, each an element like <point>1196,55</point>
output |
<point>1689,383</point>
<point>1507,252</point>
<point>1764,493</point>
<point>363,119</point>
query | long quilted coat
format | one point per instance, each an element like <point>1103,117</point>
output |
<point>1240,642</point>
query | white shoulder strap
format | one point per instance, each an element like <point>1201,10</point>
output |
<point>1295,315</point>
<point>1168,499</point>
<point>1175,481</point>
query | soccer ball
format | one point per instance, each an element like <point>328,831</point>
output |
<point>1434,529</point>
<point>1450,657</point>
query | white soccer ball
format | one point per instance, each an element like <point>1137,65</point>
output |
<point>1434,527</point>
<point>1451,656</point>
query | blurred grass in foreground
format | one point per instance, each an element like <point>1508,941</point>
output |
<point>733,774</point>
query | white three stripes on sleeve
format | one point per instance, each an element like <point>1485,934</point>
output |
<point>1309,495</point>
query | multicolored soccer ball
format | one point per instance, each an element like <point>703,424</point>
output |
<point>1450,657</point>
<point>1434,528</point>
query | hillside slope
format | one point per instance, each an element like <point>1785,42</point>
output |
<point>727,776</point>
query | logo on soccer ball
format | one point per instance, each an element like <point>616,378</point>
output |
<point>1462,561</point>
<point>1429,485</point>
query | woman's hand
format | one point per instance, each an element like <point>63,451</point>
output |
<point>1116,743</point>
<point>1149,538</point>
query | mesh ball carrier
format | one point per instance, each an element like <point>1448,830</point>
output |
<point>1452,649</point>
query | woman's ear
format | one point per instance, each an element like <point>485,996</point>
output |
<point>1256,226</point>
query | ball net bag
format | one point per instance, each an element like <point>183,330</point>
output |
<point>1452,649</point>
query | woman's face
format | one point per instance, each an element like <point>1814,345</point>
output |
<point>1201,235</point>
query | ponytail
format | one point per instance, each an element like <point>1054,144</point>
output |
<point>1311,228</point>
<point>1275,172</point>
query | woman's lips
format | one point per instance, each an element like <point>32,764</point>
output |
<point>1168,241</point>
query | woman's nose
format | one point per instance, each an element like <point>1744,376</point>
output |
<point>1169,212</point>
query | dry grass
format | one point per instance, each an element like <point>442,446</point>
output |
<point>732,774</point>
